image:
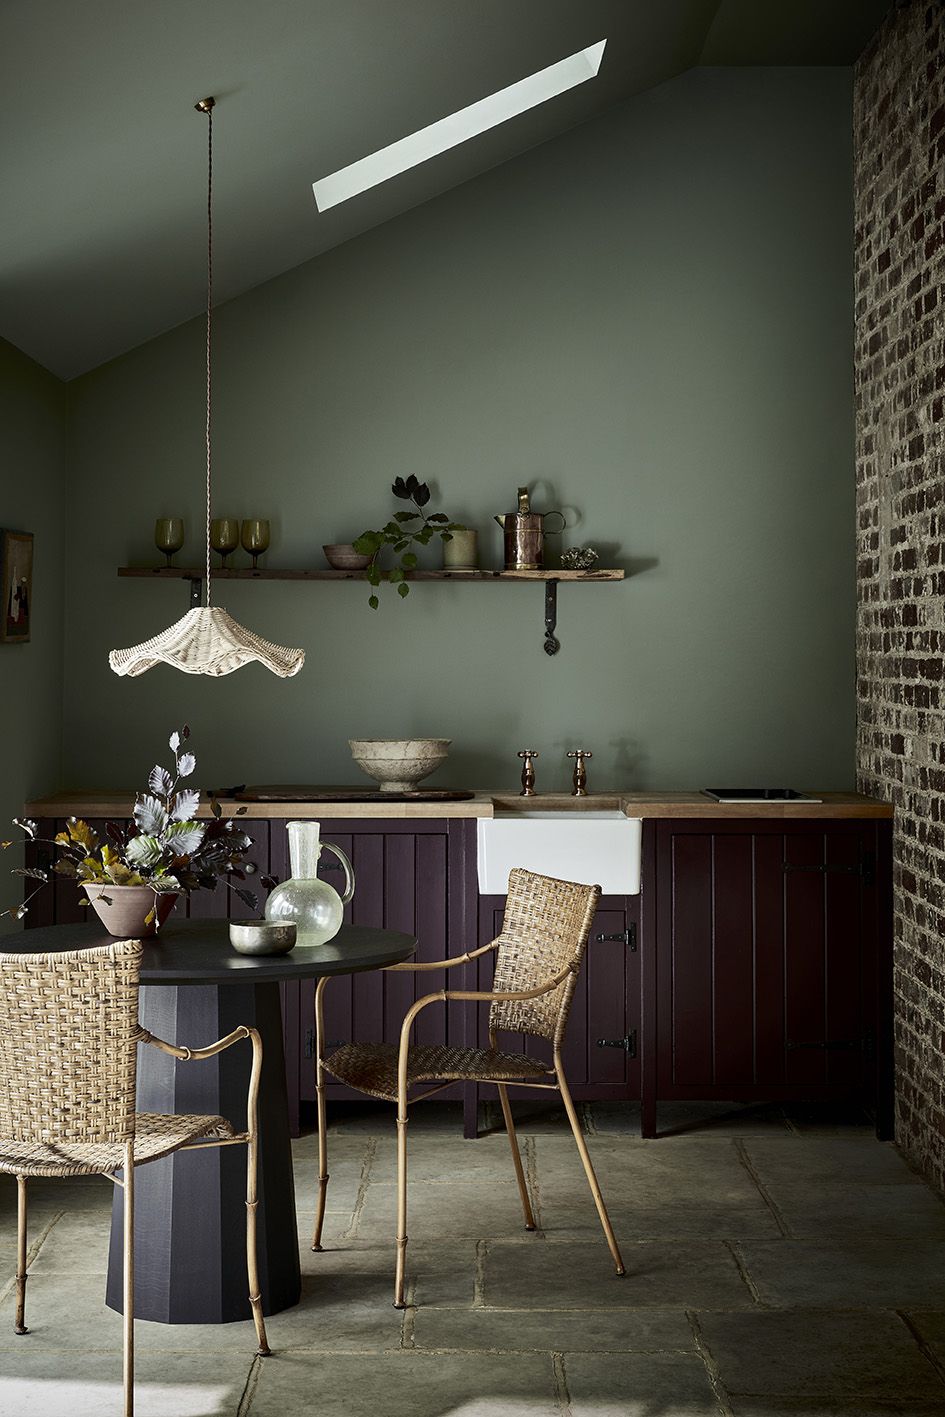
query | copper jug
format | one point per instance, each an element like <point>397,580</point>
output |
<point>524,533</point>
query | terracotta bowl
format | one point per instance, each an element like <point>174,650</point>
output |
<point>343,557</point>
<point>398,764</point>
<point>123,910</point>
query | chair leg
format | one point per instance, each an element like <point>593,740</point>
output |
<point>516,1157</point>
<point>128,1297</point>
<point>322,1123</point>
<point>19,1325</point>
<point>401,1205</point>
<point>252,1262</point>
<point>588,1167</point>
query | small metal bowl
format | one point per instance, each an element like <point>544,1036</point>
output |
<point>262,937</point>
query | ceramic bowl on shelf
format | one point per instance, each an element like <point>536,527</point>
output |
<point>343,557</point>
<point>398,764</point>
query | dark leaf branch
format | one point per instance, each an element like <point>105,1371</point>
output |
<point>165,847</point>
<point>404,532</point>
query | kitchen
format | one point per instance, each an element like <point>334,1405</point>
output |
<point>641,314</point>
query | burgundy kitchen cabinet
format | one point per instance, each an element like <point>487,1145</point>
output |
<point>766,963</point>
<point>601,1045</point>
<point>755,965</point>
<point>418,876</point>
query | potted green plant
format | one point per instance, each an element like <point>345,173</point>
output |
<point>405,532</point>
<point>134,878</point>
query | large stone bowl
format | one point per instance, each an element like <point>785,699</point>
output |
<point>398,764</point>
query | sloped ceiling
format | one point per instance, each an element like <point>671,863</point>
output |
<point>103,159</point>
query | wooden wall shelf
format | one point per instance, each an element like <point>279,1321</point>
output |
<point>246,573</point>
<point>550,578</point>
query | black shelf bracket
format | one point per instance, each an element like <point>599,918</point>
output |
<point>552,643</point>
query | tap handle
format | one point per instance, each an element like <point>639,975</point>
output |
<point>528,772</point>
<point>579,779</point>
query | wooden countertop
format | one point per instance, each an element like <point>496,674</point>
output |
<point>117,802</point>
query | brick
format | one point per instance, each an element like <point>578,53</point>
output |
<point>899,382</point>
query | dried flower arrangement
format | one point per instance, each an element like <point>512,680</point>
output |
<point>165,847</point>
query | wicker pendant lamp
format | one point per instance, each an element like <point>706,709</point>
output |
<point>207,640</point>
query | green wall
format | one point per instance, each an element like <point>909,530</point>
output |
<point>32,487</point>
<point>650,317</point>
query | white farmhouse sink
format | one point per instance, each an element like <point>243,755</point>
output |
<point>596,848</point>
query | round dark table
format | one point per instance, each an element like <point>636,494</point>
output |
<point>190,1213</point>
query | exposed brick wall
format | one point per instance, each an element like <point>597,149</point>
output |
<point>899,138</point>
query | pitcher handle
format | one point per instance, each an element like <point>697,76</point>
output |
<point>348,870</point>
<point>558,530</point>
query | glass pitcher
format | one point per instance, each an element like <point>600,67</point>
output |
<point>315,906</point>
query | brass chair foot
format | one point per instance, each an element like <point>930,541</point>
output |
<point>317,1249</point>
<point>264,1352</point>
<point>399,1304</point>
<point>20,1329</point>
<point>531,1227</point>
<point>621,1272</point>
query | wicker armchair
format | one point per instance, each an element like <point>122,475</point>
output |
<point>538,956</point>
<point>69,1036</point>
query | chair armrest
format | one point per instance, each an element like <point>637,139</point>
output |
<point>443,963</point>
<point>508,997</point>
<point>442,995</point>
<point>188,1055</point>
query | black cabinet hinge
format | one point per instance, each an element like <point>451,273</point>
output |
<point>836,1045</point>
<point>626,937</point>
<point>865,868</point>
<point>627,1043</point>
<point>308,1044</point>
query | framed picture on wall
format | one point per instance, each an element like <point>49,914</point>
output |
<point>16,585</point>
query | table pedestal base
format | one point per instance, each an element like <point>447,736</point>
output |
<point>190,1209</point>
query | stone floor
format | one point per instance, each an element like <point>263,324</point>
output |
<point>777,1264</point>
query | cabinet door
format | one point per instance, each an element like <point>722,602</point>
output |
<point>409,877</point>
<point>603,1013</point>
<point>762,954</point>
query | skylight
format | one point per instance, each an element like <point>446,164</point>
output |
<point>458,127</point>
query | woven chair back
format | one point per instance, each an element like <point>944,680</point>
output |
<point>546,926</point>
<point>68,1044</point>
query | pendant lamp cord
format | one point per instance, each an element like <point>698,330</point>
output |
<point>209,112</point>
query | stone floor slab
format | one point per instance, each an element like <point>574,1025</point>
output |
<point>442,1214</point>
<point>793,1353</point>
<point>817,1160</point>
<point>76,1243</point>
<point>548,1274</point>
<point>930,1327</point>
<point>816,1407</point>
<point>809,1209</point>
<point>685,1170</point>
<point>406,1384</point>
<point>577,1217</point>
<point>37,1384</point>
<point>865,1273</point>
<point>638,1385</point>
<point>339,1312</point>
<point>447,1159</point>
<point>531,1331</point>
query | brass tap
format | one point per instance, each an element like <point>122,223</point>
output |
<point>579,779</point>
<point>528,772</point>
